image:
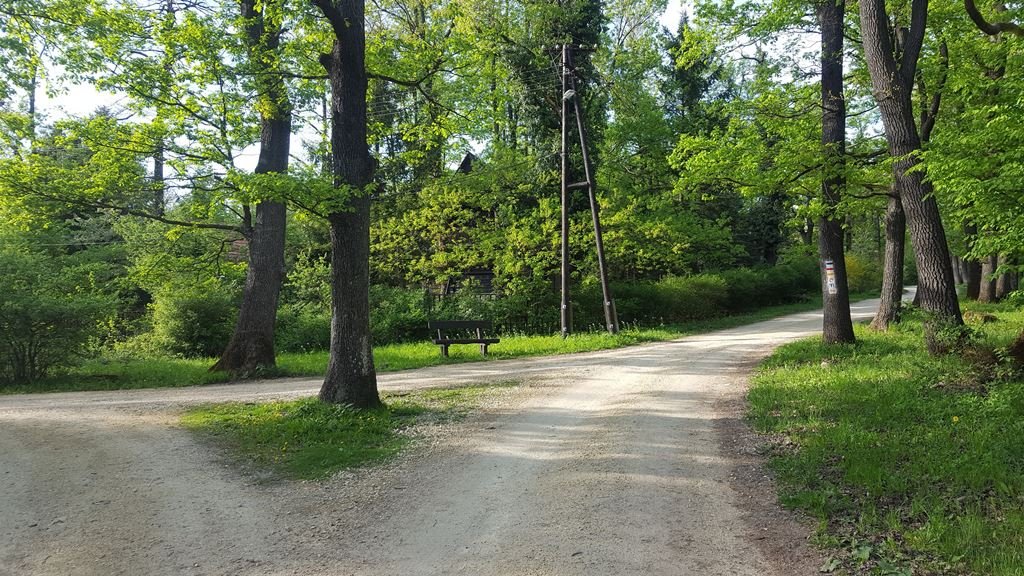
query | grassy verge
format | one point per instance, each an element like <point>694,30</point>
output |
<point>308,439</point>
<point>911,464</point>
<point>119,374</point>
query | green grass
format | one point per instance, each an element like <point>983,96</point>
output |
<point>308,439</point>
<point>121,373</point>
<point>911,464</point>
<point>124,373</point>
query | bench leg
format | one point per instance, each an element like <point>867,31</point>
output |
<point>444,350</point>
<point>483,349</point>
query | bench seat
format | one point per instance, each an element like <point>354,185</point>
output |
<point>475,326</point>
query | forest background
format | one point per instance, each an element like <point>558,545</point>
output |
<point>140,230</point>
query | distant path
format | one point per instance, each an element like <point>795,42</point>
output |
<point>627,461</point>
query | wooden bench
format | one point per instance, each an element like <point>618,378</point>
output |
<point>461,326</point>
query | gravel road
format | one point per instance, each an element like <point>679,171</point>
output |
<point>632,461</point>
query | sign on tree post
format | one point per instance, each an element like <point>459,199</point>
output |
<point>830,277</point>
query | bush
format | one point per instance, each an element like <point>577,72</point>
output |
<point>694,297</point>
<point>677,299</point>
<point>302,328</point>
<point>743,288</point>
<point>396,315</point>
<point>195,321</point>
<point>49,312</point>
<point>399,314</point>
<point>862,275</point>
<point>790,281</point>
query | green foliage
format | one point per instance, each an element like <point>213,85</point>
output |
<point>398,315</point>
<point>50,312</point>
<point>194,321</point>
<point>768,286</point>
<point>302,328</point>
<point>914,456</point>
<point>863,275</point>
<point>401,314</point>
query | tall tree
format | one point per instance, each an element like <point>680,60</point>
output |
<point>895,220</point>
<point>892,82</point>
<point>837,326</point>
<point>351,377</point>
<point>251,347</point>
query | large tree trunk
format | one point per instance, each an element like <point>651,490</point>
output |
<point>837,326</point>
<point>892,272</point>
<point>251,348</point>
<point>957,276</point>
<point>972,267</point>
<point>988,279</point>
<point>351,377</point>
<point>892,84</point>
<point>1004,284</point>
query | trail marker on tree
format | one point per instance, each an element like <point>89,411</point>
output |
<point>830,277</point>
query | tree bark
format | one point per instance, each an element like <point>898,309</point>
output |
<point>892,274</point>
<point>351,377</point>
<point>988,279</point>
<point>972,267</point>
<point>1004,284</point>
<point>957,276</point>
<point>837,327</point>
<point>892,84</point>
<point>251,348</point>
<point>159,186</point>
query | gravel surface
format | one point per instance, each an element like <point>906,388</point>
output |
<point>632,461</point>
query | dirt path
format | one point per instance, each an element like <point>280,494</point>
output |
<point>620,462</point>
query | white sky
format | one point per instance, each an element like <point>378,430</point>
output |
<point>670,19</point>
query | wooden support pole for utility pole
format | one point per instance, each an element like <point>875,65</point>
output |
<point>611,318</point>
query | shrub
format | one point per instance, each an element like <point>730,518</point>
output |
<point>1015,298</point>
<point>302,328</point>
<point>196,321</point>
<point>862,275</point>
<point>399,314</point>
<point>49,312</point>
<point>692,297</point>
<point>790,281</point>
<point>742,288</point>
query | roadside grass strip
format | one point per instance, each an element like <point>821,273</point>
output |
<point>307,439</point>
<point>911,464</point>
<point>106,373</point>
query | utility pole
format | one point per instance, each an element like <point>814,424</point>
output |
<point>570,93</point>
<point>566,311</point>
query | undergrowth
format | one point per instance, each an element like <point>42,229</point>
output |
<point>912,464</point>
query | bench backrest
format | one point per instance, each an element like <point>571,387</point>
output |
<point>459,324</point>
